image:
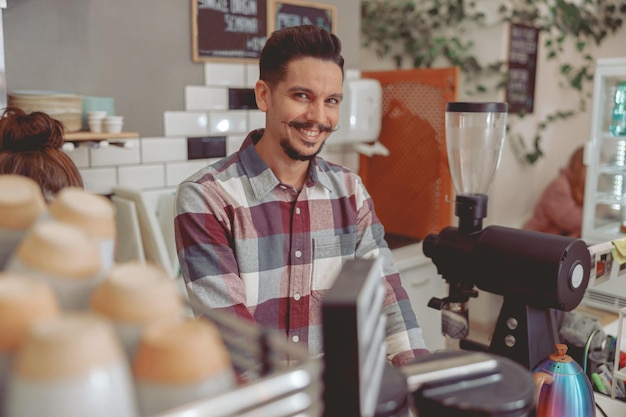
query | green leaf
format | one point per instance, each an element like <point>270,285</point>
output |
<point>429,31</point>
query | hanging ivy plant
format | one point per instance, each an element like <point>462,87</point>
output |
<point>430,33</point>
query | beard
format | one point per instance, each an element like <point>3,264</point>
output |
<point>294,154</point>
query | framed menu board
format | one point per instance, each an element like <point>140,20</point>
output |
<point>522,62</point>
<point>228,30</point>
<point>285,13</point>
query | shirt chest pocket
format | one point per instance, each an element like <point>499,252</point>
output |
<point>329,254</point>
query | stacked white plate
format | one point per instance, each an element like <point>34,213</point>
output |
<point>65,107</point>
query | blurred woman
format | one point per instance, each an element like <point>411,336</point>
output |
<point>30,145</point>
<point>560,208</point>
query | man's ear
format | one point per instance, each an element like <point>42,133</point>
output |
<point>261,93</point>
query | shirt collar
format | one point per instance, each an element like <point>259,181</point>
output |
<point>262,179</point>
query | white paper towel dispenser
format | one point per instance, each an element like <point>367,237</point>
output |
<point>360,111</point>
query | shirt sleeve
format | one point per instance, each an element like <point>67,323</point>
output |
<point>203,229</point>
<point>403,334</point>
<point>556,211</point>
<point>561,208</point>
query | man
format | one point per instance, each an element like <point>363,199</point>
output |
<point>264,232</point>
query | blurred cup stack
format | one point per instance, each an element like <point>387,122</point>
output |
<point>133,295</point>
<point>95,120</point>
<point>21,205</point>
<point>93,213</point>
<point>62,255</point>
<point>73,321</point>
<point>23,300</point>
<point>179,362</point>
<point>113,124</point>
<point>71,366</point>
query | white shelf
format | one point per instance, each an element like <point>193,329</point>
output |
<point>604,157</point>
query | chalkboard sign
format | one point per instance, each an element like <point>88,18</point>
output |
<point>520,86</point>
<point>228,30</point>
<point>295,13</point>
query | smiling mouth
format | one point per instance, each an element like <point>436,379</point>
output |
<point>309,129</point>
<point>309,133</point>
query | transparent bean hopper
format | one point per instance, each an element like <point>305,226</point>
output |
<point>534,272</point>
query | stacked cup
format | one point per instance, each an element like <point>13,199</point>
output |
<point>21,205</point>
<point>23,301</point>
<point>62,255</point>
<point>179,362</point>
<point>71,365</point>
<point>95,120</point>
<point>113,124</point>
<point>93,213</point>
<point>134,294</point>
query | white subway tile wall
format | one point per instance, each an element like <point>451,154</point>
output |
<point>99,180</point>
<point>225,122</point>
<point>256,119</point>
<point>198,97</point>
<point>186,123</point>
<point>252,75</point>
<point>163,149</point>
<point>219,73</point>
<point>158,162</point>
<point>125,154</point>
<point>142,176</point>
<point>233,143</point>
<point>80,156</point>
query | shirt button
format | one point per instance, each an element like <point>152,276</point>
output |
<point>298,254</point>
<point>295,338</point>
<point>297,210</point>
<point>283,187</point>
<point>296,297</point>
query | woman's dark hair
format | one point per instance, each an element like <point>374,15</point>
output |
<point>30,145</point>
<point>295,42</point>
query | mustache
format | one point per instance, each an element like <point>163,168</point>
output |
<point>311,125</point>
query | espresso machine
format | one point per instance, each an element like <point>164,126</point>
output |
<point>359,382</point>
<point>536,273</point>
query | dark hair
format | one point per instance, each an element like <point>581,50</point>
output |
<point>30,145</point>
<point>295,42</point>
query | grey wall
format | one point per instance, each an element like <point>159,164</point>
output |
<point>137,51</point>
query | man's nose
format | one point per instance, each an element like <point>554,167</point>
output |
<point>316,112</point>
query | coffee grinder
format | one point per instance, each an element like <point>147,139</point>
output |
<point>534,272</point>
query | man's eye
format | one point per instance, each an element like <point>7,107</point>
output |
<point>301,95</point>
<point>333,101</point>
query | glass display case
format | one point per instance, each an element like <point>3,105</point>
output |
<point>604,212</point>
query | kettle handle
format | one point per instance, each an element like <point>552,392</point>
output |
<point>541,379</point>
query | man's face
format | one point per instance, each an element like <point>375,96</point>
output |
<point>303,109</point>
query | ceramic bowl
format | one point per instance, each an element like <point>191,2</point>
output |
<point>135,294</point>
<point>23,301</point>
<point>64,256</point>
<point>21,205</point>
<point>93,213</point>
<point>71,365</point>
<point>113,124</point>
<point>180,362</point>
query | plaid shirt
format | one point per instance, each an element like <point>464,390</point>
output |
<point>261,249</point>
